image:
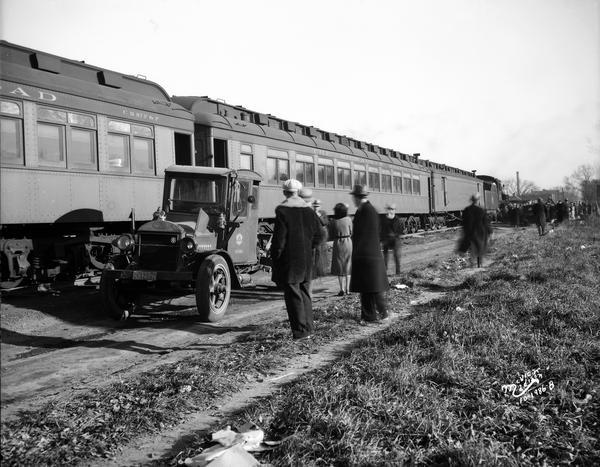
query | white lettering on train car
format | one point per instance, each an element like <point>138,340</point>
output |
<point>140,115</point>
<point>42,95</point>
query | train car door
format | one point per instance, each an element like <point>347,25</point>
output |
<point>431,193</point>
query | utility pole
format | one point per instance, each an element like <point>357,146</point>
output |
<point>518,186</point>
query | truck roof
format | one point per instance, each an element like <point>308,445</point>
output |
<point>213,171</point>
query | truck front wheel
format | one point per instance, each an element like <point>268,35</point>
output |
<point>213,288</point>
<point>117,303</point>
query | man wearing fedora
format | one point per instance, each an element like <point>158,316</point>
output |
<point>297,231</point>
<point>369,276</point>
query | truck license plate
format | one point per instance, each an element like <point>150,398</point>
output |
<point>144,275</point>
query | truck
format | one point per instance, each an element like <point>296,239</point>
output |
<point>204,238</point>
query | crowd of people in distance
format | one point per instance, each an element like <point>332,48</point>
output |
<point>546,212</point>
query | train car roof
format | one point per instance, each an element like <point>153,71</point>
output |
<point>26,66</point>
<point>217,113</point>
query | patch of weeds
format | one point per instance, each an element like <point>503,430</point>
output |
<point>432,389</point>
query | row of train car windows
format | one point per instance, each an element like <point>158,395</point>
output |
<point>278,170</point>
<point>69,140</point>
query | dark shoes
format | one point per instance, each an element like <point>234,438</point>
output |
<point>341,293</point>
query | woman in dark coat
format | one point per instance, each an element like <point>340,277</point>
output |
<point>368,277</point>
<point>476,230</point>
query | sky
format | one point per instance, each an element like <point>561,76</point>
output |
<point>497,86</point>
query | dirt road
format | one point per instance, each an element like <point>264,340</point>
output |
<point>56,345</point>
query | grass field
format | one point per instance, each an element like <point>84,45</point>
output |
<point>435,388</point>
<point>431,389</point>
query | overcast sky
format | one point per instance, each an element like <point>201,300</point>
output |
<point>494,85</point>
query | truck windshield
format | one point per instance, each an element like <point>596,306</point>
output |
<point>191,194</point>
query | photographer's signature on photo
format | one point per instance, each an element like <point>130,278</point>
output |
<point>529,385</point>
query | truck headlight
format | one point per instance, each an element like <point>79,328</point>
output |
<point>124,243</point>
<point>188,245</point>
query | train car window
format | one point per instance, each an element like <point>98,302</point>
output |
<point>305,173</point>
<point>11,134</point>
<point>120,127</point>
<point>51,115</point>
<point>51,145</point>
<point>277,170</point>
<point>82,149</point>
<point>386,183</point>
<point>82,120</point>
<point>374,183</point>
<point>10,108</point>
<point>66,139</point>
<point>246,157</point>
<point>143,156</point>
<point>344,177</point>
<point>118,152</point>
<point>360,177</point>
<point>398,183</point>
<point>132,152</point>
<point>407,182</point>
<point>416,186</point>
<point>11,141</point>
<point>143,131</point>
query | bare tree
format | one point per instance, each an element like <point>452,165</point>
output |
<point>580,179</point>
<point>525,186</point>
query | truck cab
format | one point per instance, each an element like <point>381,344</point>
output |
<point>203,238</point>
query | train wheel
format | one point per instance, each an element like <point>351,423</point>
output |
<point>213,288</point>
<point>117,303</point>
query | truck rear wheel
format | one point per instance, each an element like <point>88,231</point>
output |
<point>116,302</point>
<point>213,288</point>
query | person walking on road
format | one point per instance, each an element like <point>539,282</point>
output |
<point>539,212</point>
<point>341,234</point>
<point>391,229</point>
<point>368,276</point>
<point>297,231</point>
<point>476,230</point>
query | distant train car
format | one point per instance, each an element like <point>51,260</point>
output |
<point>492,189</point>
<point>81,148</point>
<point>426,194</point>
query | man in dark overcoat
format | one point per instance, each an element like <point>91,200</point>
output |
<point>391,229</point>
<point>297,231</point>
<point>476,230</point>
<point>369,276</point>
<point>539,212</point>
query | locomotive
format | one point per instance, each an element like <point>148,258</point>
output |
<point>87,152</point>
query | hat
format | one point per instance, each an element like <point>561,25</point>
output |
<point>359,191</point>
<point>316,203</point>
<point>305,193</point>
<point>291,185</point>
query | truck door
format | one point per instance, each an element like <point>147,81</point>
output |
<point>242,243</point>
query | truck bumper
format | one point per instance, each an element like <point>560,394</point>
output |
<point>148,276</point>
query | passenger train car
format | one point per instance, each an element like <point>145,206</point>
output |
<point>82,148</point>
<point>84,152</point>
<point>426,194</point>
